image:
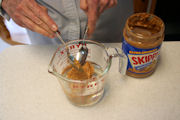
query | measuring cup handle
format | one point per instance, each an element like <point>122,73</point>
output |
<point>123,60</point>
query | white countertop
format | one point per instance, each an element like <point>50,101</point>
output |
<point>29,92</point>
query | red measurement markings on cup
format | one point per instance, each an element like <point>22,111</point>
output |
<point>71,47</point>
<point>88,86</point>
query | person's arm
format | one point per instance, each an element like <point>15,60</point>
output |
<point>31,15</point>
<point>93,9</point>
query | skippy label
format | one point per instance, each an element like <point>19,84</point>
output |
<point>140,61</point>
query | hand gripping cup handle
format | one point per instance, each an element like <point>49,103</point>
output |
<point>123,60</point>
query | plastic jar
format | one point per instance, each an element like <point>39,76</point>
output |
<point>143,35</point>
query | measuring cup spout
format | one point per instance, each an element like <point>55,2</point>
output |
<point>52,70</point>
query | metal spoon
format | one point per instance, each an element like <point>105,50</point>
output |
<point>71,58</point>
<point>83,51</point>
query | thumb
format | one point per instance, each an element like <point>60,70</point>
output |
<point>83,5</point>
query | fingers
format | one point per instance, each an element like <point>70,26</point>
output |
<point>34,27</point>
<point>27,23</point>
<point>112,3</point>
<point>103,4</point>
<point>93,9</point>
<point>30,15</point>
<point>92,15</point>
<point>84,5</point>
<point>41,13</point>
<point>116,2</point>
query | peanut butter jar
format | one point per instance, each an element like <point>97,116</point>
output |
<point>143,36</point>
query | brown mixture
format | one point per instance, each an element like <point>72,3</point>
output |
<point>85,72</point>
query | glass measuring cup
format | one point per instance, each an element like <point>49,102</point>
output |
<point>90,91</point>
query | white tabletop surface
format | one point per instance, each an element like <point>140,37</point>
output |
<point>29,92</point>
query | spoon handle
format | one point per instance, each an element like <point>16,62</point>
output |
<point>59,36</point>
<point>85,33</point>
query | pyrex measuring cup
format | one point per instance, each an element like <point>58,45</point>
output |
<point>85,92</point>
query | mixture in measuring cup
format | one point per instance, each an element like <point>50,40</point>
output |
<point>79,93</point>
<point>86,71</point>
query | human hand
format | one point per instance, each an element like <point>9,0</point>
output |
<point>31,15</point>
<point>93,9</point>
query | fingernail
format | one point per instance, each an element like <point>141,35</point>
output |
<point>54,28</point>
<point>51,36</point>
<point>54,35</point>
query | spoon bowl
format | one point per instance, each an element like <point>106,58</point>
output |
<point>81,55</point>
<point>83,51</point>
